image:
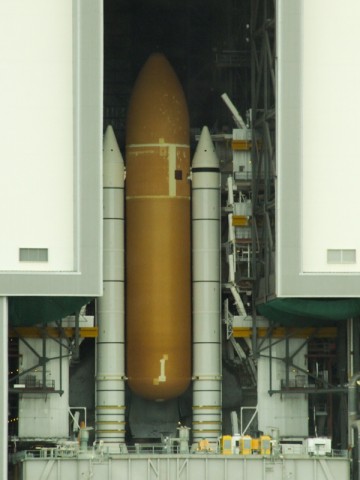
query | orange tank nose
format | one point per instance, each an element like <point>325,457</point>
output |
<point>158,276</point>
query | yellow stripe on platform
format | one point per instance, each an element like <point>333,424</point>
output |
<point>55,332</point>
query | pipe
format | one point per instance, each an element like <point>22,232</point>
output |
<point>356,451</point>
<point>352,405</point>
<point>76,352</point>
<point>236,115</point>
<point>4,402</point>
<point>207,421</point>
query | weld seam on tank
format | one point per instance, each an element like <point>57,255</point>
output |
<point>110,409</point>
<point>113,281</point>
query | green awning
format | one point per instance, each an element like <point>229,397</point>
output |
<point>28,311</point>
<point>303,312</point>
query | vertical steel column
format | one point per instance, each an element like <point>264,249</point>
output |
<point>110,351</point>
<point>207,423</point>
<point>4,373</point>
<point>263,86</point>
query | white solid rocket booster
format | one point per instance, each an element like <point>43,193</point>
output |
<point>110,387</point>
<point>207,421</point>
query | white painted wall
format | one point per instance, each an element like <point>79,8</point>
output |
<point>318,162</point>
<point>36,133</point>
<point>289,412</point>
<point>44,416</point>
<point>330,71</point>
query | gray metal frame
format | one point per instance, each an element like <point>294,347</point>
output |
<point>263,147</point>
<point>180,467</point>
<point>71,345</point>
<point>4,401</point>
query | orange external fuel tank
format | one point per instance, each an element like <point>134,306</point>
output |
<point>158,276</point>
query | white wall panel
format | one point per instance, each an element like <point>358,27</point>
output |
<point>318,163</point>
<point>288,413</point>
<point>36,147</point>
<point>42,413</point>
<point>51,85</point>
<point>330,108</point>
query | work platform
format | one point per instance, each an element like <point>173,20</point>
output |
<point>182,467</point>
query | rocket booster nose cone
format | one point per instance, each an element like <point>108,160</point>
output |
<point>113,160</point>
<point>157,108</point>
<point>205,155</point>
<point>111,148</point>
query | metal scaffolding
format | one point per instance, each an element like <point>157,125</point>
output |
<point>263,147</point>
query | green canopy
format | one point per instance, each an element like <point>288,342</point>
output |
<point>27,311</point>
<point>302,312</point>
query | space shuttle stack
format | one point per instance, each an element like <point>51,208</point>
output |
<point>207,420</point>
<point>110,374</point>
<point>158,343</point>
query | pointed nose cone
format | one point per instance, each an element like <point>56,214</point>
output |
<point>113,160</point>
<point>157,109</point>
<point>111,148</point>
<point>205,156</point>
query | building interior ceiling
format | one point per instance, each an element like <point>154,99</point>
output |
<point>208,47</point>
